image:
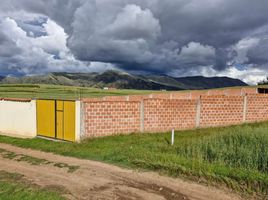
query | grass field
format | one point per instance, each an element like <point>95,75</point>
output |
<point>65,92</point>
<point>60,92</point>
<point>13,186</point>
<point>236,156</point>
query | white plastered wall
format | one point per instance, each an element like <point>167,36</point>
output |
<point>18,118</point>
<point>77,121</point>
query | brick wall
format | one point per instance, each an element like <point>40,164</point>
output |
<point>198,93</point>
<point>221,110</point>
<point>163,115</point>
<point>233,92</point>
<point>257,108</point>
<point>181,95</point>
<point>138,97</point>
<point>216,92</point>
<point>249,91</point>
<point>114,98</point>
<point>165,95</point>
<point>104,117</point>
<point>146,113</point>
<point>195,94</point>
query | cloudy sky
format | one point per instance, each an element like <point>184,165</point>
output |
<point>174,37</point>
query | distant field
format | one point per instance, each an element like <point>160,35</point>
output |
<point>68,92</point>
<point>236,157</point>
<point>60,92</point>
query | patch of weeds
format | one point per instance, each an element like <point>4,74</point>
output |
<point>57,188</point>
<point>33,161</point>
<point>71,168</point>
<point>7,176</point>
<point>2,150</point>
<point>8,154</point>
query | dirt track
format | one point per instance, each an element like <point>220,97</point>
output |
<point>95,180</point>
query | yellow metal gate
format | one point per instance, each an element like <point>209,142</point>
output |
<point>56,119</point>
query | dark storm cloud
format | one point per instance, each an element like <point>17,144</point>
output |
<point>33,28</point>
<point>7,46</point>
<point>259,54</point>
<point>158,35</point>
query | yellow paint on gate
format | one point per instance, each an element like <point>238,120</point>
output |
<point>59,134</point>
<point>46,118</point>
<point>60,105</point>
<point>59,120</point>
<point>56,119</point>
<point>69,120</point>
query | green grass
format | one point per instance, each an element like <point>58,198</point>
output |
<point>60,92</point>
<point>13,186</point>
<point>42,91</point>
<point>236,156</point>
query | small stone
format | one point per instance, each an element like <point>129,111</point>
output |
<point>160,189</point>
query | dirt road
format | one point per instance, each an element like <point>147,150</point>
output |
<point>84,179</point>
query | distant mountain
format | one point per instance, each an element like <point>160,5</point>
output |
<point>123,80</point>
<point>200,82</point>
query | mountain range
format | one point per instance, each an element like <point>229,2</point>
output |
<point>123,80</point>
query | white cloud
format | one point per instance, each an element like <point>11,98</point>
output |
<point>54,41</point>
<point>197,53</point>
<point>111,33</point>
<point>134,23</point>
<point>42,54</point>
<point>182,37</point>
<point>251,75</point>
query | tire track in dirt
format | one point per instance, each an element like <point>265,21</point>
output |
<point>96,180</point>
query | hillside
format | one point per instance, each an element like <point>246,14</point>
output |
<point>122,80</point>
<point>200,82</point>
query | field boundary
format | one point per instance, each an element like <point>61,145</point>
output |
<point>158,112</point>
<point>103,118</point>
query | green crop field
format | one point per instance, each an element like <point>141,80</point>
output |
<point>41,91</point>
<point>235,157</point>
<point>60,92</point>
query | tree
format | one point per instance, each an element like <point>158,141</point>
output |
<point>264,82</point>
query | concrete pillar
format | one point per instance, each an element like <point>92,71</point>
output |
<point>198,112</point>
<point>245,108</point>
<point>142,116</point>
<point>127,98</point>
<point>79,121</point>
